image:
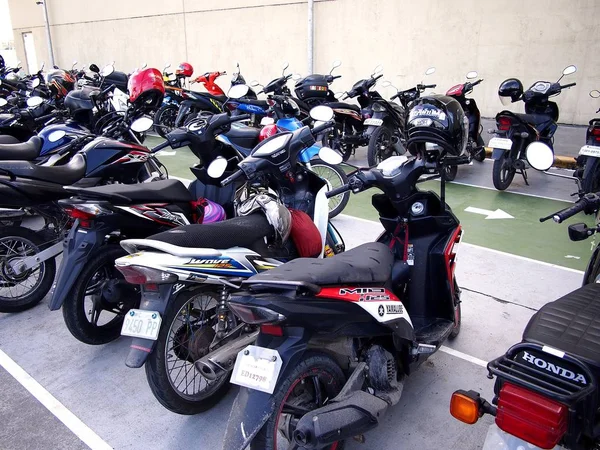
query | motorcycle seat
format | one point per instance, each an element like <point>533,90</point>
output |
<point>246,137</point>
<point>342,105</point>
<point>369,263</point>
<point>570,324</point>
<point>534,119</point>
<point>8,139</point>
<point>243,231</point>
<point>155,192</point>
<point>65,175</point>
<point>24,151</point>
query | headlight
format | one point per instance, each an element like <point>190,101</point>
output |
<point>378,107</point>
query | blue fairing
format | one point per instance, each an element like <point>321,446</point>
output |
<point>309,153</point>
<point>290,124</point>
<point>252,109</point>
<point>72,129</point>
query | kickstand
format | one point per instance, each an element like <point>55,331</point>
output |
<point>524,173</point>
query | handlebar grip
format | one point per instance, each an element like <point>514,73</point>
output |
<point>429,86</point>
<point>230,179</point>
<point>378,76</point>
<point>160,146</point>
<point>568,85</point>
<point>395,96</point>
<point>335,77</point>
<point>107,90</point>
<point>337,191</point>
<point>320,128</point>
<point>563,215</point>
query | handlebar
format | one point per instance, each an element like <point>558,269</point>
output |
<point>476,82</point>
<point>230,179</point>
<point>160,146</point>
<point>52,115</point>
<point>395,96</point>
<point>427,86</point>
<point>335,77</point>
<point>568,85</point>
<point>338,190</point>
<point>586,201</point>
<point>378,77</point>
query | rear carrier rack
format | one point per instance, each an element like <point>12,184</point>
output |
<point>543,374</point>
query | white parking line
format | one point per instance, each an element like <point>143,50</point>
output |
<point>72,422</point>
<point>461,355</point>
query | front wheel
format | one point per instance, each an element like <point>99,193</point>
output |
<point>590,182</point>
<point>380,146</point>
<point>315,379</point>
<point>335,177</point>
<point>164,119</point>
<point>19,292</point>
<point>503,172</point>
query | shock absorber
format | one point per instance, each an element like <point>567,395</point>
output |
<point>222,312</point>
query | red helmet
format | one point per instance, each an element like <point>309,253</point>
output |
<point>185,69</point>
<point>146,87</point>
<point>267,131</point>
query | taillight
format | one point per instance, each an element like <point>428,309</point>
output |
<point>84,212</point>
<point>146,275</point>
<point>450,256</point>
<point>271,330</point>
<point>595,131</point>
<point>531,416</point>
<point>503,123</point>
<point>255,315</point>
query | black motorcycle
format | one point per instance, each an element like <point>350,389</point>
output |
<point>517,131</point>
<point>588,161</point>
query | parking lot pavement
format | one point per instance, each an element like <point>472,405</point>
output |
<point>500,293</point>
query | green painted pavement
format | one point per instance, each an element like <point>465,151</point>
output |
<point>524,235</point>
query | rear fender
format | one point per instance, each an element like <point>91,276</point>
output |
<point>252,409</point>
<point>78,247</point>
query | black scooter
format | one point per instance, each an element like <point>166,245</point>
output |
<point>588,161</point>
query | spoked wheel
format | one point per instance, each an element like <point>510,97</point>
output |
<point>164,119</point>
<point>19,292</point>
<point>503,172</point>
<point>186,333</point>
<point>380,146</point>
<point>335,177</point>
<point>94,309</point>
<point>314,381</point>
<point>334,140</point>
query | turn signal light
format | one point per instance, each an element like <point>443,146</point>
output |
<point>464,406</point>
<point>146,276</point>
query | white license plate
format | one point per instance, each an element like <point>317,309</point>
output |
<point>257,368</point>
<point>374,122</point>
<point>141,324</point>
<point>504,144</point>
<point>590,150</point>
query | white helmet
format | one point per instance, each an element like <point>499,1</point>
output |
<point>276,213</point>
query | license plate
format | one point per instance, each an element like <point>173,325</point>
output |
<point>374,122</point>
<point>590,150</point>
<point>257,368</point>
<point>141,324</point>
<point>504,144</point>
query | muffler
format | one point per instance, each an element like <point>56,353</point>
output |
<point>219,362</point>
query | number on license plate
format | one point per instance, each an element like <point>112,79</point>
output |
<point>141,324</point>
<point>590,150</point>
<point>504,144</point>
<point>375,122</point>
<point>257,368</point>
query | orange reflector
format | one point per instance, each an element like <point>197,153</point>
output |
<point>464,408</point>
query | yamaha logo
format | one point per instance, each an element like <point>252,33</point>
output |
<point>381,310</point>
<point>553,368</point>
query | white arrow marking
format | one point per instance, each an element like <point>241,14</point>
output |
<point>498,214</point>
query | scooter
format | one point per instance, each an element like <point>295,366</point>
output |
<point>589,156</point>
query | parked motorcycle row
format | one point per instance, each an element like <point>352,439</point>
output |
<point>241,278</point>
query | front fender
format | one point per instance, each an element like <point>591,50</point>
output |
<point>78,247</point>
<point>497,153</point>
<point>252,409</point>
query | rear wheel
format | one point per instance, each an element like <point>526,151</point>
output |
<point>591,176</point>
<point>19,292</point>
<point>335,177</point>
<point>164,119</point>
<point>503,172</point>
<point>334,140</point>
<point>312,382</point>
<point>380,146</point>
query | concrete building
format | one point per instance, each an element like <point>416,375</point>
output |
<point>532,40</point>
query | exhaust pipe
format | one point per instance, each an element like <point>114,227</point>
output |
<point>219,362</point>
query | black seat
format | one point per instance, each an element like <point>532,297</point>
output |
<point>8,139</point>
<point>246,137</point>
<point>244,231</point>
<point>366,264</point>
<point>169,191</point>
<point>71,172</point>
<point>570,324</point>
<point>342,105</point>
<point>534,119</point>
<point>25,151</point>
<point>79,100</point>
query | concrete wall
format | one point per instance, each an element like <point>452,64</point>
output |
<point>531,40</point>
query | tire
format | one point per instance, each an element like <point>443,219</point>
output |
<point>457,314</point>
<point>19,241</point>
<point>480,155</point>
<point>99,268</point>
<point>590,182</point>
<point>165,116</point>
<point>157,371</point>
<point>502,175</point>
<point>380,146</point>
<point>332,140</point>
<point>592,271</point>
<point>451,172</point>
<point>335,177</point>
<point>331,379</point>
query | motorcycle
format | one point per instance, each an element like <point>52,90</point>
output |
<point>516,131</point>
<point>475,146</point>
<point>373,314</point>
<point>588,160</point>
<point>197,267</point>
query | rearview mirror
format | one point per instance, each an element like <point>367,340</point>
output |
<point>569,70</point>
<point>296,77</point>
<point>337,63</point>
<point>386,83</point>
<point>217,167</point>
<point>167,65</point>
<point>142,124</point>
<point>321,113</point>
<point>539,156</point>
<point>430,71</point>
<point>378,69</point>
<point>595,93</point>
<point>238,91</point>
<point>471,75</point>
<point>330,156</point>
<point>94,68</point>
<point>254,83</point>
<point>3,102</point>
<point>35,83</point>
<point>32,102</point>
<point>285,65</point>
<point>56,135</point>
<point>144,65</point>
<point>107,70</point>
<point>74,64</point>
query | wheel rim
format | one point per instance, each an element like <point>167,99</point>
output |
<point>190,331</point>
<point>333,180</point>
<point>383,144</point>
<point>167,120</point>
<point>12,286</point>
<point>98,311</point>
<point>307,393</point>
